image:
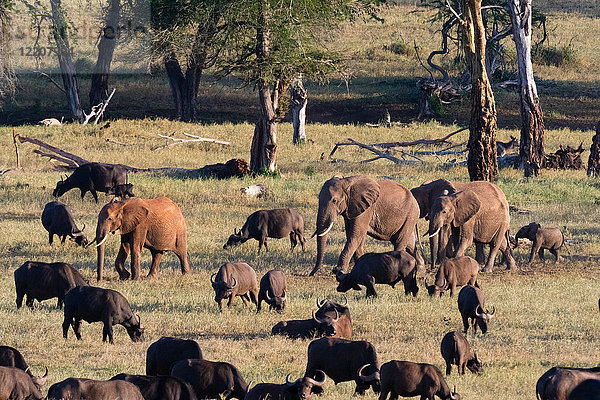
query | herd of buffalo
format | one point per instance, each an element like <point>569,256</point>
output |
<point>459,215</point>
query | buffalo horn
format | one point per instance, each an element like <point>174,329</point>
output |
<point>315,318</point>
<point>139,319</point>
<point>41,380</point>
<point>212,278</point>
<point>337,316</point>
<point>345,300</point>
<point>269,298</point>
<point>284,297</point>
<point>287,380</point>
<point>479,315</point>
<point>321,302</point>
<point>491,315</point>
<point>475,355</point>
<point>83,229</point>
<point>367,378</point>
<point>452,395</point>
<point>318,382</point>
<point>234,283</point>
<point>446,285</point>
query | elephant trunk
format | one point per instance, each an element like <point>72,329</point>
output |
<point>434,246</point>
<point>100,238</point>
<point>324,225</point>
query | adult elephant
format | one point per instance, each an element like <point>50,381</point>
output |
<point>383,210</point>
<point>463,213</point>
<point>156,224</point>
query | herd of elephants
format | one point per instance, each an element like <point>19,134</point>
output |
<point>459,215</point>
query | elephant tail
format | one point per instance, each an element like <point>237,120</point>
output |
<point>564,241</point>
<point>508,246</point>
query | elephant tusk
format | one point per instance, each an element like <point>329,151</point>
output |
<point>326,231</point>
<point>436,232</point>
<point>102,242</point>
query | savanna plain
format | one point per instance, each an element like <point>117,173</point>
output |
<point>546,315</point>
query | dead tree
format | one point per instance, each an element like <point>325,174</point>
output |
<point>106,48</point>
<point>531,152</point>
<point>593,169</point>
<point>298,100</point>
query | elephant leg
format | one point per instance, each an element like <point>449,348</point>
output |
<point>120,261</point>
<point>183,260</point>
<point>360,250</point>
<point>541,254</point>
<point>156,257</point>
<point>479,253</point>
<point>556,254</point>
<point>507,256</point>
<point>355,236</point>
<point>293,241</point>
<point>137,243</point>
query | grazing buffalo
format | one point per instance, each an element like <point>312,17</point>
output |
<point>57,219</point>
<point>270,223</point>
<point>307,328</point>
<point>16,384</point>
<point>456,350</point>
<point>339,312</point>
<point>159,387</point>
<point>93,304</point>
<point>84,389</point>
<point>471,306</point>
<point>408,379</point>
<point>345,360</point>
<point>300,389</point>
<point>42,281</point>
<point>11,357</point>
<point>211,380</point>
<point>235,279</point>
<point>275,283</point>
<point>166,351</point>
<point>561,383</point>
<point>388,268</point>
<point>454,272</point>
<point>91,178</point>
<point>123,191</point>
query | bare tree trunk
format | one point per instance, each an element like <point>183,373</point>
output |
<point>482,162</point>
<point>7,75</point>
<point>106,48</point>
<point>531,152</point>
<point>298,100</point>
<point>593,169</point>
<point>67,69</point>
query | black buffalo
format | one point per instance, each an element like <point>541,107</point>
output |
<point>408,379</point>
<point>159,387</point>
<point>122,191</point>
<point>307,328</point>
<point>57,219</point>
<point>300,389</point>
<point>471,306</point>
<point>93,304</point>
<point>345,360</point>
<point>563,383</point>
<point>41,281</point>
<point>166,351</point>
<point>93,177</point>
<point>80,389</point>
<point>388,268</point>
<point>16,384</point>
<point>273,290</point>
<point>11,357</point>
<point>276,224</point>
<point>211,380</point>
<point>456,350</point>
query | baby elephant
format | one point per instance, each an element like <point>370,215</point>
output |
<point>454,272</point>
<point>277,224</point>
<point>542,238</point>
<point>456,350</point>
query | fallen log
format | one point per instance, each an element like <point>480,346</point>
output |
<point>76,159</point>
<point>424,142</point>
<point>378,153</point>
<point>194,139</point>
<point>564,158</point>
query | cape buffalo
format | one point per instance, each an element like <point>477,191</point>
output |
<point>408,379</point>
<point>57,219</point>
<point>11,357</point>
<point>92,177</point>
<point>345,360</point>
<point>93,304</point>
<point>454,272</point>
<point>340,313</point>
<point>211,380</point>
<point>122,191</point>
<point>235,279</point>
<point>307,328</point>
<point>166,351</point>
<point>15,384</point>
<point>276,224</point>
<point>559,383</point>
<point>389,268</point>
<point>471,305</point>
<point>300,389</point>
<point>159,387</point>
<point>275,283</point>
<point>456,350</point>
<point>41,281</point>
<point>586,390</point>
<point>83,389</point>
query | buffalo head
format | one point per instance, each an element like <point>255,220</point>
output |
<point>135,329</point>
<point>276,303</point>
<point>474,365</point>
<point>38,381</point>
<point>222,289</point>
<point>368,380</point>
<point>305,387</point>
<point>60,188</point>
<point>483,317</point>
<point>79,237</point>
<point>326,324</point>
<point>234,240</point>
<point>345,282</point>
<point>435,290</point>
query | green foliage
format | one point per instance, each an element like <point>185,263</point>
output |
<point>558,56</point>
<point>401,48</point>
<point>269,174</point>
<point>310,170</point>
<point>436,105</point>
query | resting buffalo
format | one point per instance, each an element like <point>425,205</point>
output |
<point>11,357</point>
<point>211,380</point>
<point>235,279</point>
<point>560,383</point>
<point>471,306</point>
<point>387,268</point>
<point>122,191</point>
<point>456,350</point>
<point>307,328</point>
<point>276,224</point>
<point>345,360</point>
<point>93,304</point>
<point>15,384</point>
<point>166,351</point>
<point>83,389</point>
<point>408,379</point>
<point>300,389</point>
<point>454,272</point>
<point>41,281</point>
<point>159,387</point>
<point>275,283</point>
<point>339,312</point>
<point>92,177</point>
<point>57,219</point>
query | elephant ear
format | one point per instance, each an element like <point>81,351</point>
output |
<point>363,193</point>
<point>133,213</point>
<point>466,204</point>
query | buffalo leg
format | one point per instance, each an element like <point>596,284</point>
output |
<point>465,323</point>
<point>230,301</point>
<point>156,257</point>
<point>293,241</point>
<point>107,330</point>
<point>93,192</point>
<point>20,298</point>
<point>50,238</point>
<point>384,394</point>
<point>66,324</point>
<point>83,191</point>
<point>448,367</point>
<point>29,301</point>
<point>452,288</point>
<point>220,307</point>
<point>120,261</point>
<point>254,297</point>
<point>370,285</point>
<point>77,328</point>
<point>541,254</point>
<point>63,238</point>
<point>245,299</point>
